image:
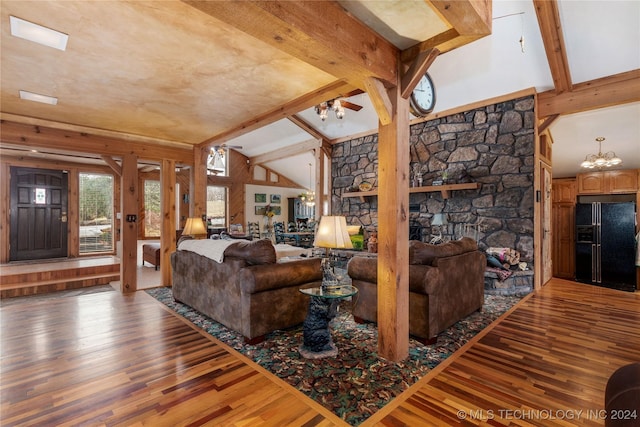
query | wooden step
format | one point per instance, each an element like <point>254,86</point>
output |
<point>20,279</point>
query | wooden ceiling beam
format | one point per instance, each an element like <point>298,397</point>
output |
<point>551,31</point>
<point>71,141</point>
<point>320,33</point>
<point>305,126</point>
<point>612,90</point>
<point>469,20</point>
<point>330,91</point>
<point>282,153</point>
<point>468,17</point>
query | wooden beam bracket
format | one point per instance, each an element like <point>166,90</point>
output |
<point>380,100</point>
<point>416,70</point>
<point>112,164</point>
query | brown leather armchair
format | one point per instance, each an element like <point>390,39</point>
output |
<point>446,284</point>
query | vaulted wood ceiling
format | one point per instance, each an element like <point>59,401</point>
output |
<point>177,74</point>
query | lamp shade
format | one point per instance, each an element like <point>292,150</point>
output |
<point>332,233</point>
<point>439,219</point>
<point>194,226</point>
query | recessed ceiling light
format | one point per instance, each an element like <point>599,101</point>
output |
<point>30,96</point>
<point>37,33</point>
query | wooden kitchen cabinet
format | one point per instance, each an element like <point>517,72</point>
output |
<point>625,181</point>
<point>608,182</point>
<point>563,238</point>
<point>563,209</point>
<point>591,183</point>
<point>564,190</point>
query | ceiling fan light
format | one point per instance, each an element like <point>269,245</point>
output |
<point>321,110</point>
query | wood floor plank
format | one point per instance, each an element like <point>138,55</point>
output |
<point>113,359</point>
<point>546,363</point>
<point>126,360</point>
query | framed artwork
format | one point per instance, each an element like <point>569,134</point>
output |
<point>276,209</point>
<point>275,198</point>
<point>260,198</point>
<point>260,210</point>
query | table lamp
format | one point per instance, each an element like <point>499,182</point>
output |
<point>438,220</point>
<point>194,227</point>
<point>332,233</point>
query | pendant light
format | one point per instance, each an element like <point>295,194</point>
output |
<point>601,160</point>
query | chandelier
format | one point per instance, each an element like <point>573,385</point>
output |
<point>323,109</point>
<point>309,198</point>
<point>600,160</point>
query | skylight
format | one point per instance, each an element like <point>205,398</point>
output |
<point>38,34</point>
<point>45,99</point>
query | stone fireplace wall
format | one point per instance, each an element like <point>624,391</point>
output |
<point>492,145</point>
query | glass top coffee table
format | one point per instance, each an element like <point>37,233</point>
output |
<point>323,306</point>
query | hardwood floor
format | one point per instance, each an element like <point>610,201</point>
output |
<point>110,359</point>
<point>113,359</point>
<point>545,364</point>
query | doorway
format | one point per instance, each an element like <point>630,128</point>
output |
<point>38,211</point>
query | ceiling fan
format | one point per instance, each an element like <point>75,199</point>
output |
<point>338,105</point>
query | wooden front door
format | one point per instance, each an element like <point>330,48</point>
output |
<point>38,214</point>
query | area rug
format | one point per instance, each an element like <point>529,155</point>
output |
<point>356,383</point>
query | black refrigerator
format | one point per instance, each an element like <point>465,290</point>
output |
<point>605,244</point>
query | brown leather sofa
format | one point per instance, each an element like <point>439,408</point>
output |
<point>446,284</point>
<point>248,291</point>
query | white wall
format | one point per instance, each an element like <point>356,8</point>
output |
<point>250,204</point>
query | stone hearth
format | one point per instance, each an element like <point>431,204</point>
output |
<point>519,283</point>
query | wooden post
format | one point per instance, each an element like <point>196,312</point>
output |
<point>319,187</point>
<point>5,219</point>
<point>73,213</point>
<point>393,231</point>
<point>198,192</point>
<point>129,194</point>
<point>168,206</point>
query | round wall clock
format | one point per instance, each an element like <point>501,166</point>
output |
<point>423,97</point>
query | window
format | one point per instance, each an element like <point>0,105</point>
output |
<point>217,163</point>
<point>216,206</point>
<point>96,213</point>
<point>152,213</point>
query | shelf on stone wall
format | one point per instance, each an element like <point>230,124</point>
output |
<point>443,189</point>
